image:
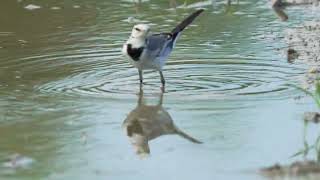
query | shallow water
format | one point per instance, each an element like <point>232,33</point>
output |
<point>66,92</point>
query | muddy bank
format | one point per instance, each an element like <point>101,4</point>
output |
<point>296,169</point>
<point>279,6</point>
<point>313,117</point>
<point>304,46</point>
<point>305,41</point>
<point>293,2</point>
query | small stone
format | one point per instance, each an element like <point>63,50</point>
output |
<point>55,8</point>
<point>313,70</point>
<point>292,54</point>
<point>312,117</point>
<point>32,7</point>
<point>22,41</point>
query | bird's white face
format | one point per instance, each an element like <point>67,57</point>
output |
<point>140,31</point>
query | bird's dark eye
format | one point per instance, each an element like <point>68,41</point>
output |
<point>137,29</point>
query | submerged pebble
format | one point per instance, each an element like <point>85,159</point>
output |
<point>131,19</point>
<point>32,7</point>
<point>55,8</point>
<point>18,161</point>
<point>22,41</point>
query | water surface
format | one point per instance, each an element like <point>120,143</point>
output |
<point>66,91</point>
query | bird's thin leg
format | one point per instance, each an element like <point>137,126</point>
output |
<point>163,81</point>
<point>140,77</point>
<point>161,99</point>
<point>140,100</point>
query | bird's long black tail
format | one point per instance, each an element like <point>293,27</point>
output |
<point>188,137</point>
<point>186,22</point>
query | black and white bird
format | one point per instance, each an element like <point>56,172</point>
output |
<point>150,51</point>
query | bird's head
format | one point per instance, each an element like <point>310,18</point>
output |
<point>140,31</point>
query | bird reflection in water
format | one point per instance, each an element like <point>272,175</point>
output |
<point>148,122</point>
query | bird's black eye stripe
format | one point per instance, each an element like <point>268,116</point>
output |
<point>137,29</point>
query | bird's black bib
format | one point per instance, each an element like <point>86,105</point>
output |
<point>134,53</point>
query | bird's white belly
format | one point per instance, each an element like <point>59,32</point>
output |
<point>145,61</point>
<point>148,63</point>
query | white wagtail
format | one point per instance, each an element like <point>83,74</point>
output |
<point>150,51</point>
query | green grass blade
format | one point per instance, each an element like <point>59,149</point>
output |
<point>315,97</point>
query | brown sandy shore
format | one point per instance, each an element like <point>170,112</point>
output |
<point>310,169</point>
<point>303,42</point>
<point>293,2</point>
<point>303,45</point>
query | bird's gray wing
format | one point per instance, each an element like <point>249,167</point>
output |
<point>157,44</point>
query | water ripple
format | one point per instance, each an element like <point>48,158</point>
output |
<point>220,77</point>
<point>87,61</point>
